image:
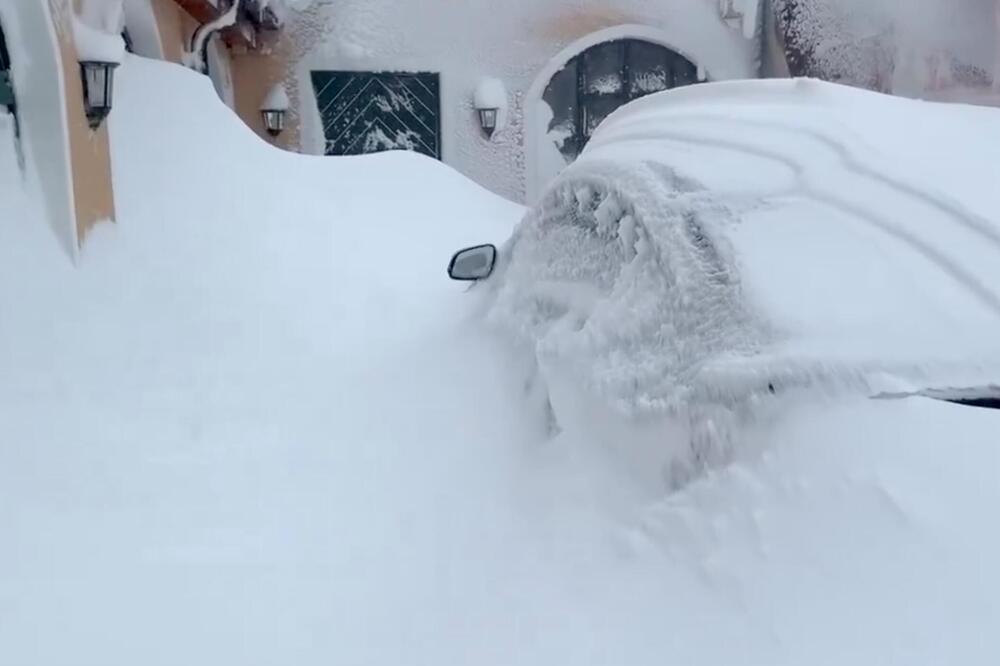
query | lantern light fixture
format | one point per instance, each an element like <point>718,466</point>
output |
<point>274,120</point>
<point>488,120</point>
<point>274,109</point>
<point>490,102</point>
<point>98,89</point>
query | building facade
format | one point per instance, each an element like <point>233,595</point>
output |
<point>506,93</point>
<point>46,100</point>
<point>366,75</point>
<point>42,89</point>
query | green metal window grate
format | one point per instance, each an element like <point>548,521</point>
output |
<point>369,112</point>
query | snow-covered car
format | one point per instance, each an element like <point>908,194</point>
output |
<point>722,243</point>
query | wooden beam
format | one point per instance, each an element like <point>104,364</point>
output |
<point>202,11</point>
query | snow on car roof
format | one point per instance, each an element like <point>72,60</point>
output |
<point>862,230</point>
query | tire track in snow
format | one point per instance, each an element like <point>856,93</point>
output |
<point>932,254</point>
<point>940,260</point>
<point>972,221</point>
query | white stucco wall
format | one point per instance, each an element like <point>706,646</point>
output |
<point>520,42</point>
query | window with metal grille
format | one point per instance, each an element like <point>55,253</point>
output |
<point>368,112</point>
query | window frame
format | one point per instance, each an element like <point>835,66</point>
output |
<point>585,100</point>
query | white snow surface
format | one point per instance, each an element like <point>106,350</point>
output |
<point>97,31</point>
<point>257,425</point>
<point>93,44</point>
<point>277,99</point>
<point>492,94</point>
<point>720,238</point>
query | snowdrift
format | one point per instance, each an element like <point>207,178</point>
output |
<point>215,226</point>
<point>257,378</point>
<point>257,425</point>
<point>726,239</point>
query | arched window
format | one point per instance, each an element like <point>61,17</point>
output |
<point>604,77</point>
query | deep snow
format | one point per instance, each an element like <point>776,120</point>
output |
<point>727,238</point>
<point>258,426</point>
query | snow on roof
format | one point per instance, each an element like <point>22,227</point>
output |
<point>920,142</point>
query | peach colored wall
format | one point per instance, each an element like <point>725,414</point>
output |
<point>176,27</point>
<point>254,74</point>
<point>277,60</point>
<point>574,24</point>
<point>90,155</point>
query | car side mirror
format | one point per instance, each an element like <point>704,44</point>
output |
<point>473,263</point>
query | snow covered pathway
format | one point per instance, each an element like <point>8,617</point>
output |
<point>258,426</point>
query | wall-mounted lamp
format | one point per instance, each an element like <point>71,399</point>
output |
<point>274,120</point>
<point>274,109</point>
<point>488,120</point>
<point>490,100</point>
<point>98,87</point>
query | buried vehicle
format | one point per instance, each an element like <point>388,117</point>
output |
<point>720,244</point>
